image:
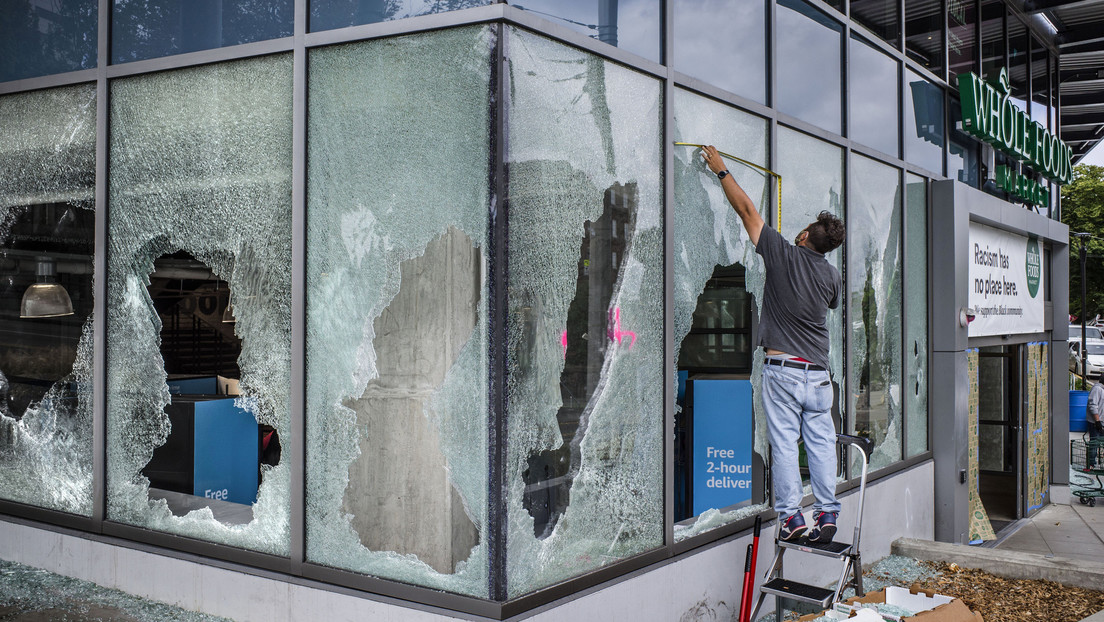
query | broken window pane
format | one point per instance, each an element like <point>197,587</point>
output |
<point>718,284</point>
<point>812,182</point>
<point>200,169</point>
<point>585,392</point>
<point>47,223</point>
<point>916,301</point>
<point>874,286</point>
<point>397,308</point>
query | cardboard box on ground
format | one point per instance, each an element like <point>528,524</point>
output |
<point>926,605</point>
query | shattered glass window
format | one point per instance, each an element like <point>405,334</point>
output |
<point>718,284</point>
<point>47,222</point>
<point>397,309</point>
<point>874,296</point>
<point>329,14</point>
<point>916,301</point>
<point>585,324</point>
<point>812,182</point>
<point>42,38</point>
<point>200,251</point>
<point>142,29</point>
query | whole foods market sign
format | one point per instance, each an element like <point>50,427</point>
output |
<point>989,114</point>
<point>1006,282</point>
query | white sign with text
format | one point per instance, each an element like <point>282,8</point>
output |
<point>1006,282</point>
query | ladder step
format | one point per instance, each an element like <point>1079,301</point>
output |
<point>799,591</point>
<point>839,550</point>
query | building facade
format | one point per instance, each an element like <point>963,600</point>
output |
<point>432,309</point>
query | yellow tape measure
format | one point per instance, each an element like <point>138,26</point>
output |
<point>778,223</point>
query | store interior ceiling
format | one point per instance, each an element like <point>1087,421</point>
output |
<point>1080,37</point>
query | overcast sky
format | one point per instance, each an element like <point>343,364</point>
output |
<point>1096,156</point>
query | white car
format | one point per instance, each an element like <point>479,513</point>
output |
<point>1095,362</point>
<point>1091,332</point>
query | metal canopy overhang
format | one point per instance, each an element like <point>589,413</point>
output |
<point>1080,42</point>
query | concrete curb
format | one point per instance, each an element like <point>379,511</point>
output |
<point>1008,564</point>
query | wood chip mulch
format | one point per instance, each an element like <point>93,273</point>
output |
<point>1013,600</point>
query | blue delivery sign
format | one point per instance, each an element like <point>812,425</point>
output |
<point>722,443</point>
<point>226,452</point>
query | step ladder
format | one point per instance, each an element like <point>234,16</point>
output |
<point>847,554</point>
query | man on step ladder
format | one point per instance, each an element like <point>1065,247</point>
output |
<point>801,285</point>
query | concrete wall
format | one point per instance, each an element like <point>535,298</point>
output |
<point>686,589</point>
<point>399,492</point>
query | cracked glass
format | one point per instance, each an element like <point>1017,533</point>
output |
<point>199,302</point>
<point>47,223</point>
<point>718,284</point>
<point>812,182</point>
<point>916,328</point>
<point>397,309</point>
<point>874,295</point>
<point>585,317</point>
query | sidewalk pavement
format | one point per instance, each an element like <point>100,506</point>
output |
<point>1061,543</point>
<point>1072,531</point>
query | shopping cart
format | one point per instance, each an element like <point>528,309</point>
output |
<point>1087,456</point>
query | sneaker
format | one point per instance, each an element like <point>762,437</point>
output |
<point>824,527</point>
<point>792,528</point>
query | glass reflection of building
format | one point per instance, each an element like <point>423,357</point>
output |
<point>450,311</point>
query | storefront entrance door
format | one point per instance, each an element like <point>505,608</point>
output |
<point>1000,433</point>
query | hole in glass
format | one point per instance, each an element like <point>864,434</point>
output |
<point>400,495</point>
<point>46,355</point>
<point>592,325</point>
<point>715,361</point>
<point>215,449</point>
<point>44,245</point>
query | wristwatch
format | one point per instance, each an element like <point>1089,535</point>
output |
<point>722,174</point>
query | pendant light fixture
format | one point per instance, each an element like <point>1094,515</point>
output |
<point>46,297</point>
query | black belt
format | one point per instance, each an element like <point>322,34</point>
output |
<point>794,364</point>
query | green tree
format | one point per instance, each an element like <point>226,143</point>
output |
<point>1083,211</point>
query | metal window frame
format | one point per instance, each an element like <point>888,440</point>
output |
<point>296,568</point>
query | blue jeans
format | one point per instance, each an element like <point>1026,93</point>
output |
<point>1091,448</point>
<point>798,403</point>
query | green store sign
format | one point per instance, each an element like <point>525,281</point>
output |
<point>1034,266</point>
<point>990,115</point>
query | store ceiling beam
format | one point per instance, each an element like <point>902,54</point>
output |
<point>1082,47</point>
<point>1082,119</point>
<point>1075,136</point>
<point>1079,35</point>
<point>1036,6</point>
<point>1081,99</point>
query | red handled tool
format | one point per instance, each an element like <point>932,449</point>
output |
<point>749,573</point>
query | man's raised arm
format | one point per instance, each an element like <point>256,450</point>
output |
<point>739,199</point>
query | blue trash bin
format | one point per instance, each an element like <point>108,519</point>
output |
<point>1078,402</point>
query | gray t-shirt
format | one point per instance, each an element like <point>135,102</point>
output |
<point>800,288</point>
<point>1096,402</point>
